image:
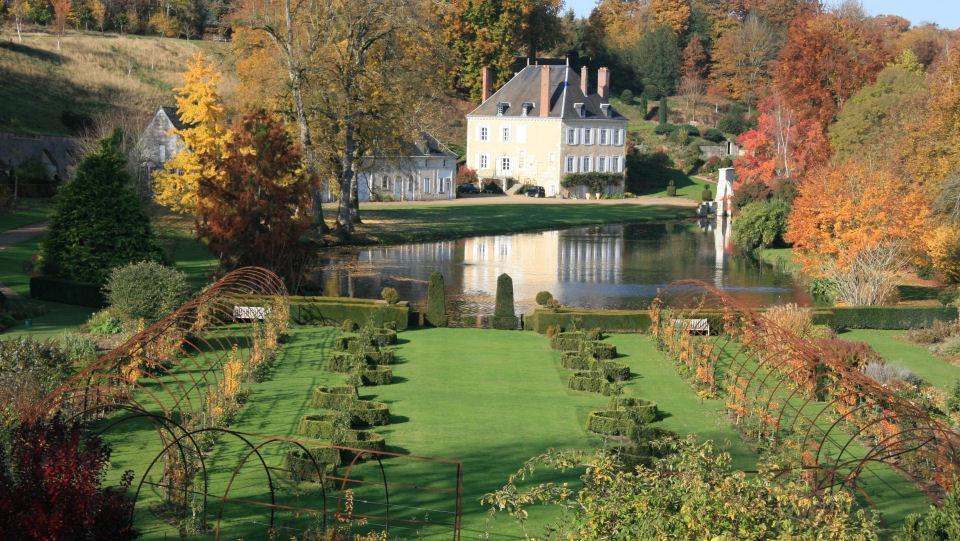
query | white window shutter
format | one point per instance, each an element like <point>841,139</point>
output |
<point>521,134</point>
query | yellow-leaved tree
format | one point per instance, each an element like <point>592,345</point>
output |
<point>204,134</point>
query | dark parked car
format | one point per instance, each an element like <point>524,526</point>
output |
<point>536,191</point>
<point>494,188</point>
<point>467,189</point>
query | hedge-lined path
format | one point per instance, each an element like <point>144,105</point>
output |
<point>655,378</point>
<point>16,236</point>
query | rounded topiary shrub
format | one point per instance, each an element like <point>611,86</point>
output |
<point>576,360</point>
<point>588,381</point>
<point>344,361</point>
<point>390,295</point>
<point>611,423</point>
<point>146,290</point>
<point>544,297</point>
<point>384,337</point>
<point>602,350</point>
<point>323,425</point>
<point>640,410</point>
<point>383,357</point>
<point>436,301</point>
<point>504,316</point>
<point>568,341</point>
<point>341,397</point>
<point>319,463</point>
<point>377,376</point>
<point>361,439</point>
<point>706,195</point>
<point>370,413</point>
<point>613,370</point>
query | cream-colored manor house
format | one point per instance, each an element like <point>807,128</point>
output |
<point>544,123</point>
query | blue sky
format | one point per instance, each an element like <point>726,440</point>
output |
<point>946,13</point>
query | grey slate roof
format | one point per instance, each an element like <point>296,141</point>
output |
<point>564,93</point>
<point>174,117</point>
<point>429,146</point>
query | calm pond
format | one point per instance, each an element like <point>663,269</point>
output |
<point>610,266</point>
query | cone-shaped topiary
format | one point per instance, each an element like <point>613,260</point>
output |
<point>436,301</point>
<point>671,189</point>
<point>664,111</point>
<point>99,224</point>
<point>503,314</point>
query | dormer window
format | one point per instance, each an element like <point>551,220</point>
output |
<point>526,108</point>
<point>605,108</point>
<point>502,108</point>
<point>578,107</point>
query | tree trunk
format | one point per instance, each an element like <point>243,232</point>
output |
<point>344,219</point>
<point>19,35</point>
<point>355,200</point>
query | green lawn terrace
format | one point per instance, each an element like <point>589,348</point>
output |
<point>488,399</point>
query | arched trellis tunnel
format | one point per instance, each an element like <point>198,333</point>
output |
<point>162,380</point>
<point>798,393</point>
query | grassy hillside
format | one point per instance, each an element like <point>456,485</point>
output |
<point>93,74</point>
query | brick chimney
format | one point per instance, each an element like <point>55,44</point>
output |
<point>487,77</point>
<point>584,79</point>
<point>603,83</point>
<point>544,90</point>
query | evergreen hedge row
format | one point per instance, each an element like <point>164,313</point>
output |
<point>370,413</point>
<point>591,382</point>
<point>611,423</point>
<point>640,410</point>
<point>47,288</point>
<point>602,350</point>
<point>300,467</point>
<point>568,341</point>
<point>340,397</point>
<point>381,375</point>
<point>611,370</point>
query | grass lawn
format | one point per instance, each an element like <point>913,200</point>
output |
<point>399,223</point>
<point>492,399</point>
<point>893,347</point>
<point>25,212</point>
<point>689,187</point>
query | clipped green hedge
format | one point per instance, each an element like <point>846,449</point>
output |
<point>613,370</point>
<point>591,382</point>
<point>602,350</point>
<point>384,337</point>
<point>884,317</point>
<point>575,360</point>
<point>341,397</point>
<point>300,467</point>
<point>322,425</point>
<point>335,310</point>
<point>568,341</point>
<point>344,361</point>
<point>47,288</point>
<point>609,320</point>
<point>370,413</point>
<point>361,439</point>
<point>611,423</point>
<point>640,410</point>
<point>380,375</point>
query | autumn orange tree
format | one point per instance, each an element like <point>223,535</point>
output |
<point>204,135</point>
<point>742,58</point>
<point>674,14</point>
<point>256,211</point>
<point>816,80</point>
<point>934,140</point>
<point>781,146</point>
<point>857,225</point>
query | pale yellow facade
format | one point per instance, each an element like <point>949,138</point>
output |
<point>540,151</point>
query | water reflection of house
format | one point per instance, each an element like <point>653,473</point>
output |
<point>530,259</point>
<point>596,257</point>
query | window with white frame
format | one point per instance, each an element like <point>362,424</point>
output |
<point>571,136</point>
<point>445,185</point>
<point>505,164</point>
<point>505,134</point>
<point>484,133</point>
<point>482,161</point>
<point>618,137</point>
<point>571,164</point>
<point>426,185</point>
<point>585,164</point>
<point>385,183</point>
<point>602,136</point>
<point>162,153</point>
<point>615,166</point>
<point>602,164</point>
<point>587,136</point>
